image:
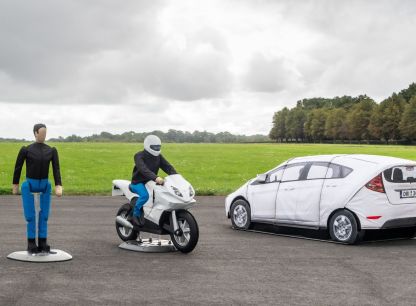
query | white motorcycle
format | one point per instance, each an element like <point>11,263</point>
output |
<point>165,213</point>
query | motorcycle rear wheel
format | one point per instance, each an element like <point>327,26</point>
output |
<point>124,233</point>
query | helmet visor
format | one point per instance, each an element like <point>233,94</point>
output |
<point>155,147</point>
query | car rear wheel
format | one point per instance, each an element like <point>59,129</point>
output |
<point>343,227</point>
<point>240,214</point>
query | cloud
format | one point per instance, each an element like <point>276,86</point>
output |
<point>267,75</point>
<point>102,52</point>
<point>86,66</point>
<point>196,71</point>
<point>48,42</point>
<point>360,47</point>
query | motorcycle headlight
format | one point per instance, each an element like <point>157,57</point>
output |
<point>191,192</point>
<point>176,191</point>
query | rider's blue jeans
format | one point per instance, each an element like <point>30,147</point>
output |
<point>140,189</point>
<point>28,188</point>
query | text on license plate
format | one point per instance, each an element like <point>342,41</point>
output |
<point>410,193</point>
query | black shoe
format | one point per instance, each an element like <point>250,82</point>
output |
<point>138,221</point>
<point>32,248</point>
<point>43,246</point>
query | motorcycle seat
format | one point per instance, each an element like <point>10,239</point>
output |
<point>130,188</point>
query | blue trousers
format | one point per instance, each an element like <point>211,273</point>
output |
<point>44,188</point>
<point>141,190</point>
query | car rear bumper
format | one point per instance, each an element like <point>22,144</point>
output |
<point>374,211</point>
<point>400,222</point>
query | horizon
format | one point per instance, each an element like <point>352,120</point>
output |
<point>137,132</point>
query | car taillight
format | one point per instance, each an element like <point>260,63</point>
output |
<point>376,184</point>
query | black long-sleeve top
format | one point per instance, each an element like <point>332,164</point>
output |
<point>38,156</point>
<point>146,167</point>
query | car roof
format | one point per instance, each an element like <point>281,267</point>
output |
<point>373,159</point>
<point>380,159</point>
<point>312,158</point>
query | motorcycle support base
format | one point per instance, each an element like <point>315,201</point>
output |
<point>149,246</point>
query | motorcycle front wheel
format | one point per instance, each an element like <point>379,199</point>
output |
<point>187,240</point>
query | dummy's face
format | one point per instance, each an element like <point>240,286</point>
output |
<point>40,135</point>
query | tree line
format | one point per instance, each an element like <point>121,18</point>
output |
<point>169,136</point>
<point>349,119</point>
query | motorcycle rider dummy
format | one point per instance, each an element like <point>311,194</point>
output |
<point>38,156</point>
<point>146,166</point>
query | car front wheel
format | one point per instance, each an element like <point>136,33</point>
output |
<point>240,214</point>
<point>343,227</point>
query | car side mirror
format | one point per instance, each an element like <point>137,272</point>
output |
<point>261,178</point>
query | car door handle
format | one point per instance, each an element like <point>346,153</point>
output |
<point>289,188</point>
<point>331,185</point>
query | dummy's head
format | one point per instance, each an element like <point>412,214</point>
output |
<point>153,144</point>
<point>39,130</point>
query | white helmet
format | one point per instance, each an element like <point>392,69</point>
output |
<point>152,144</point>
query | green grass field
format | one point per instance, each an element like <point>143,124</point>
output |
<point>213,169</point>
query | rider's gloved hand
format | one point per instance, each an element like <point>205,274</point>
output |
<point>15,189</point>
<point>58,190</point>
<point>159,180</point>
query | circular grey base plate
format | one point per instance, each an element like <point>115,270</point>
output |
<point>54,256</point>
<point>155,246</point>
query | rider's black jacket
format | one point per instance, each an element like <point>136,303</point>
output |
<point>37,156</point>
<point>146,167</point>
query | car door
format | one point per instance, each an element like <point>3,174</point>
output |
<point>309,194</point>
<point>262,195</point>
<point>335,190</point>
<point>287,195</point>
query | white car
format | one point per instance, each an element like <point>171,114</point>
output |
<point>345,194</point>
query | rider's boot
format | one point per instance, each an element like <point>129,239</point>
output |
<point>138,220</point>
<point>43,246</point>
<point>32,248</point>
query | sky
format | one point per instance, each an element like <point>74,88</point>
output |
<point>86,66</point>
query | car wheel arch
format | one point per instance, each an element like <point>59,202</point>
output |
<point>340,209</point>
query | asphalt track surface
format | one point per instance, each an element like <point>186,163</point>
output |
<point>227,266</point>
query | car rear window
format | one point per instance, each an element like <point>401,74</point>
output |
<point>401,174</point>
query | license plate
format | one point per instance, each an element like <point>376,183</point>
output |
<point>410,193</point>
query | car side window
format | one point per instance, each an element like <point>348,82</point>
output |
<point>317,171</point>
<point>334,171</point>
<point>276,175</point>
<point>293,172</point>
<point>337,171</point>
